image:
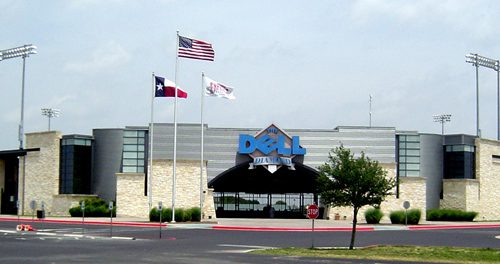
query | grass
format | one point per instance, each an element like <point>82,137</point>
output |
<point>399,253</point>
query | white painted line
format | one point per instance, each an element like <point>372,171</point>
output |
<point>244,246</point>
<point>497,237</point>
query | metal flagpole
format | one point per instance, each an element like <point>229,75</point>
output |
<point>150,162</point>
<point>175,130</point>
<point>201,152</point>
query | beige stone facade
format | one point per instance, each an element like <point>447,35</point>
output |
<point>411,189</point>
<point>483,193</point>
<point>2,178</point>
<point>41,172</point>
<point>131,200</point>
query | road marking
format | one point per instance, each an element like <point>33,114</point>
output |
<point>246,248</point>
<point>497,237</point>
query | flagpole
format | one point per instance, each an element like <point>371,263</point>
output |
<point>150,161</point>
<point>175,130</point>
<point>201,158</point>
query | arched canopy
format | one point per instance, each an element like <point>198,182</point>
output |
<point>259,180</point>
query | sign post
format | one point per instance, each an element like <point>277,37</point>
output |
<point>160,209</point>
<point>110,218</point>
<point>33,207</point>
<point>312,213</point>
<point>406,205</point>
<point>82,207</point>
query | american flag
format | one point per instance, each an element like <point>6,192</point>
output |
<point>195,49</point>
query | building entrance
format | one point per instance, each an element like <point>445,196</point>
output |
<point>241,192</point>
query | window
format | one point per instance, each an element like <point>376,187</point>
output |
<point>408,155</point>
<point>134,156</point>
<point>459,162</point>
<point>75,169</point>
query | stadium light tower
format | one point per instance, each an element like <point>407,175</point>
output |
<point>50,113</point>
<point>443,118</point>
<point>478,60</point>
<point>22,51</point>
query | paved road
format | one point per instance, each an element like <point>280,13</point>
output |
<point>63,243</point>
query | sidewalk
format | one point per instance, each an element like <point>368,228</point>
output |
<point>259,224</point>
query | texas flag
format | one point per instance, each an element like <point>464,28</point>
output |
<point>166,88</point>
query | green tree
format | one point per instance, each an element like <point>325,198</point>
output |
<point>347,181</point>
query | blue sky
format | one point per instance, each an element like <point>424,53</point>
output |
<point>299,64</point>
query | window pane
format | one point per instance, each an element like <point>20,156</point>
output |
<point>130,133</point>
<point>413,166</point>
<point>413,138</point>
<point>130,140</point>
<point>129,147</point>
<point>129,169</point>
<point>140,141</point>
<point>413,173</point>
<point>413,159</point>
<point>140,147</point>
<point>413,152</point>
<point>413,145</point>
<point>130,155</point>
<point>129,162</point>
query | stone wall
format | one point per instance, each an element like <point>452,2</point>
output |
<point>130,198</point>
<point>488,175</point>
<point>460,194</point>
<point>61,203</point>
<point>412,189</point>
<point>41,171</point>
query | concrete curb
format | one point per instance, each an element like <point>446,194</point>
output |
<point>91,222</point>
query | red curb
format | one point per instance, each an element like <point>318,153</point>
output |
<point>438,227</point>
<point>290,229</point>
<point>75,222</point>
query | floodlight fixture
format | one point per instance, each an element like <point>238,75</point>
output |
<point>442,118</point>
<point>50,113</point>
<point>22,51</point>
<point>477,60</point>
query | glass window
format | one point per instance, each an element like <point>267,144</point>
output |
<point>129,162</point>
<point>130,140</point>
<point>129,147</point>
<point>130,133</point>
<point>130,155</point>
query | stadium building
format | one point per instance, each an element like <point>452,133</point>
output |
<point>244,172</point>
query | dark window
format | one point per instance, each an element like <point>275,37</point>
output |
<point>76,166</point>
<point>459,162</point>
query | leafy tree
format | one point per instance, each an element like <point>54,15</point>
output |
<point>347,181</point>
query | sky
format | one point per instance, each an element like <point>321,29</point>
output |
<point>297,64</point>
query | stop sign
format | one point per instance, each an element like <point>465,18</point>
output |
<point>312,211</point>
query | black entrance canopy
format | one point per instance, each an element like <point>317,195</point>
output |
<point>259,180</point>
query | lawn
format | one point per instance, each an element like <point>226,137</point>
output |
<point>402,253</point>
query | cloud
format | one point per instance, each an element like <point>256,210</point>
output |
<point>472,17</point>
<point>107,57</point>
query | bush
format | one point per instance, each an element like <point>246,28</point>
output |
<point>450,215</point>
<point>94,207</point>
<point>181,215</point>
<point>373,215</point>
<point>195,214</point>
<point>413,217</point>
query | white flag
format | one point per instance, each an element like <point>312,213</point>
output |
<point>213,88</point>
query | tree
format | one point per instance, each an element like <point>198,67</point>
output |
<point>347,181</point>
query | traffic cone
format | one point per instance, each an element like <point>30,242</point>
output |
<point>20,227</point>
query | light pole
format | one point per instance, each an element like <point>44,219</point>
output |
<point>50,113</point>
<point>442,118</point>
<point>22,51</point>
<point>478,60</point>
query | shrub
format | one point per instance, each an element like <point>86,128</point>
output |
<point>181,215</point>
<point>373,215</point>
<point>413,217</point>
<point>94,207</point>
<point>450,215</point>
<point>166,215</point>
<point>195,214</point>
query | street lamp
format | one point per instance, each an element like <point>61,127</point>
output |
<point>23,51</point>
<point>478,60</point>
<point>50,113</point>
<point>443,118</point>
